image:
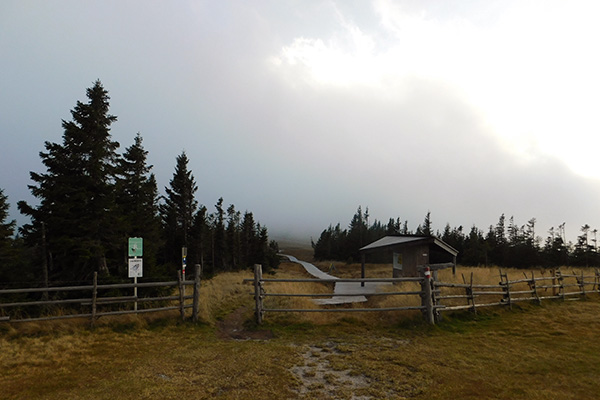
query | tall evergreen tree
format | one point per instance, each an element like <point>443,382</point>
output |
<point>555,253</point>
<point>178,210</point>
<point>76,194</point>
<point>426,229</point>
<point>356,237</point>
<point>137,197</point>
<point>583,252</point>
<point>247,236</point>
<point>12,260</point>
<point>219,236</point>
<point>6,227</point>
<point>6,232</point>
<point>198,251</point>
<point>233,237</point>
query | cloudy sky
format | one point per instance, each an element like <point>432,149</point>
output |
<point>301,110</point>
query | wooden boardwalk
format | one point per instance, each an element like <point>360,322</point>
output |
<point>341,288</point>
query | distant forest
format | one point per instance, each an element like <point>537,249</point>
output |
<point>91,199</point>
<point>505,244</point>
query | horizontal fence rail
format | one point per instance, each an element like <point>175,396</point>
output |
<point>96,301</point>
<point>260,294</point>
<point>437,296</point>
<point>508,292</point>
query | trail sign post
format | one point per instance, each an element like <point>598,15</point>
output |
<point>135,268</point>
<point>183,265</point>
<point>183,259</point>
<point>135,249</point>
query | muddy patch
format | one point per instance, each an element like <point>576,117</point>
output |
<point>232,327</point>
<point>318,379</point>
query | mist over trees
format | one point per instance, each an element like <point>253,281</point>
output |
<point>505,244</point>
<point>90,199</point>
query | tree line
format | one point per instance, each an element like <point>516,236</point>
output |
<point>91,199</point>
<point>505,244</point>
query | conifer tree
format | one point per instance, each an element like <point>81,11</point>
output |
<point>233,236</point>
<point>247,235</point>
<point>6,227</point>
<point>219,236</point>
<point>137,197</point>
<point>198,250</point>
<point>178,210</point>
<point>425,229</point>
<point>11,264</point>
<point>6,230</point>
<point>76,193</point>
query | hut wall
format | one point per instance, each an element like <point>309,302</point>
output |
<point>412,257</point>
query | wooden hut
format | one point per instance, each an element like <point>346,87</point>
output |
<point>410,254</point>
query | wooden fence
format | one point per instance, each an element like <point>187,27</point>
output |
<point>95,301</point>
<point>260,294</point>
<point>436,297</point>
<point>557,285</point>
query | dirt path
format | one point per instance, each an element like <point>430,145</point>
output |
<point>232,327</point>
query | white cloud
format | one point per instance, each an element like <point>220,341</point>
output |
<point>403,106</point>
<point>532,71</point>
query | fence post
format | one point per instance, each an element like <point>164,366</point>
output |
<point>437,315</point>
<point>506,288</point>
<point>472,296</point>
<point>561,288</point>
<point>582,285</point>
<point>94,296</point>
<point>181,295</point>
<point>427,297</point>
<point>258,293</point>
<point>196,304</point>
<point>533,287</point>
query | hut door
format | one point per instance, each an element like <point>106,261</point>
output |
<point>397,265</point>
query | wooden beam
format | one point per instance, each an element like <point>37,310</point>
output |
<point>362,268</point>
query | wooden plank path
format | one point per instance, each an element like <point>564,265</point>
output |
<point>344,290</point>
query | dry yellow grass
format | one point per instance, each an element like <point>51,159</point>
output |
<point>534,352</point>
<point>223,294</point>
<point>480,275</point>
<point>548,352</point>
<point>294,271</point>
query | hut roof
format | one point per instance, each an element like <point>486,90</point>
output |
<point>401,241</point>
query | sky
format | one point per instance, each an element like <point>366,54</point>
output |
<point>302,110</point>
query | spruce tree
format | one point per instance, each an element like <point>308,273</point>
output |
<point>6,227</point>
<point>198,250</point>
<point>178,210</point>
<point>6,231</point>
<point>137,197</point>
<point>76,193</point>
<point>219,236</point>
<point>426,228</point>
<point>13,266</point>
<point>233,236</point>
<point>247,236</point>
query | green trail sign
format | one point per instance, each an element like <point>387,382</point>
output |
<point>136,248</point>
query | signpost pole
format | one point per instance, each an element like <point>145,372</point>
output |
<point>135,305</point>
<point>183,265</point>
<point>135,250</point>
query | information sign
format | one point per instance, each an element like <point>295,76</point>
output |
<point>135,268</point>
<point>398,261</point>
<point>136,248</point>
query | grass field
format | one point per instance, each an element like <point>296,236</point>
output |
<point>550,351</point>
